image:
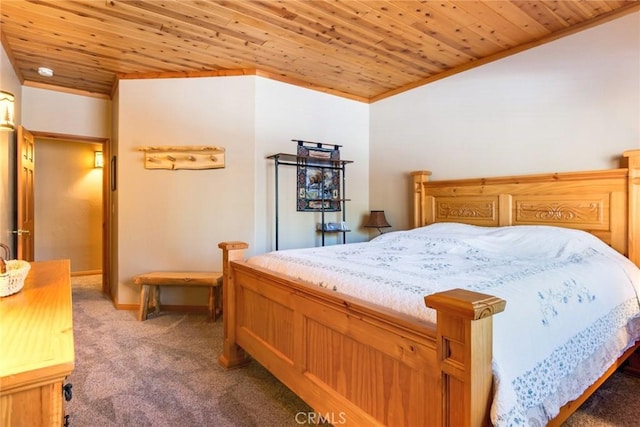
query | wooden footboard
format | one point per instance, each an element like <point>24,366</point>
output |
<point>359,364</point>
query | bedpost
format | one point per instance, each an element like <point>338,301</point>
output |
<point>464,334</point>
<point>631,159</point>
<point>419,209</point>
<point>232,355</point>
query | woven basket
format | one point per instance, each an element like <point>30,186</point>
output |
<point>13,280</point>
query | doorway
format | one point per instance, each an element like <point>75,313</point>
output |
<point>68,202</point>
<point>72,202</point>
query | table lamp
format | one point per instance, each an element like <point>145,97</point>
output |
<point>377,220</point>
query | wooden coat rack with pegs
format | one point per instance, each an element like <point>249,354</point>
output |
<point>186,157</point>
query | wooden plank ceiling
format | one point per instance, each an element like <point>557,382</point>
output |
<point>364,50</point>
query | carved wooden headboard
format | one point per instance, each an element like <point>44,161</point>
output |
<point>605,203</point>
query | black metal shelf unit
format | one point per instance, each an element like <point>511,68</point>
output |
<point>285,159</point>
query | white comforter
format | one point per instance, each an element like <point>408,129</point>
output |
<point>572,302</point>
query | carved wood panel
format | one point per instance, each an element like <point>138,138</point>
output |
<point>581,212</point>
<point>470,210</point>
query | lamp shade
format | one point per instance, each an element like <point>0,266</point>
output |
<point>377,220</point>
<point>7,105</point>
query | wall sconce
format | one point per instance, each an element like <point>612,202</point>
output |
<point>7,108</point>
<point>98,160</point>
<point>377,220</point>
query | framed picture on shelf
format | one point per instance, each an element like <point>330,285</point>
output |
<point>318,187</point>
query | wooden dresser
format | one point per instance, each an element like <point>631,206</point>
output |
<point>36,347</point>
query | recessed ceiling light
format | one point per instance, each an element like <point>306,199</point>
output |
<point>45,72</point>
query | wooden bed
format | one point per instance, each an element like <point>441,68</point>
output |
<point>358,364</point>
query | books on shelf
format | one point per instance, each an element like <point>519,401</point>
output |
<point>332,226</point>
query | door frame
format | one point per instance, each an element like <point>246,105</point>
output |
<point>106,196</point>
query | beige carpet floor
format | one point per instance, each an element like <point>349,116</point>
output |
<point>164,372</point>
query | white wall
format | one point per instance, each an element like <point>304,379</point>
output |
<point>572,104</point>
<point>64,113</point>
<point>285,112</point>
<point>9,83</point>
<point>173,220</point>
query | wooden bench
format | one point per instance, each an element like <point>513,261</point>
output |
<point>151,282</point>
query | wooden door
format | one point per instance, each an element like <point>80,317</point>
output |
<point>25,180</point>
